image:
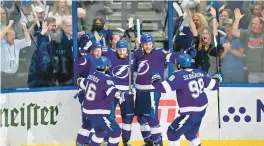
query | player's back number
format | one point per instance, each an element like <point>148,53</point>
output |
<point>196,87</point>
<point>90,91</point>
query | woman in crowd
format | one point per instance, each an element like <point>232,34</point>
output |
<point>100,32</point>
<point>60,11</point>
<point>206,50</point>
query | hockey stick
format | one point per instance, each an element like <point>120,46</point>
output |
<point>181,17</point>
<point>218,68</point>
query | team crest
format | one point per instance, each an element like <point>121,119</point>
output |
<point>143,67</point>
<point>120,71</point>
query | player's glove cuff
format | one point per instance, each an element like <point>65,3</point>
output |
<point>218,76</point>
<point>121,96</point>
<point>155,78</point>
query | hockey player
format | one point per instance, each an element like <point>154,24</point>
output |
<point>85,63</point>
<point>119,71</point>
<point>149,61</point>
<point>100,91</point>
<point>192,100</point>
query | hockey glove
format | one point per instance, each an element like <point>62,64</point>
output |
<point>155,77</point>
<point>218,76</point>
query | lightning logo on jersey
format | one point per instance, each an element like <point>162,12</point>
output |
<point>120,71</point>
<point>143,67</point>
<point>183,121</point>
<point>108,123</point>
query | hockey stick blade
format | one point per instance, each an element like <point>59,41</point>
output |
<point>178,9</point>
<point>120,29</point>
<point>221,8</point>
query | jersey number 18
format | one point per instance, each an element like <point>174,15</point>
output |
<point>196,87</point>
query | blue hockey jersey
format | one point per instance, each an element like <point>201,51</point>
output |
<point>99,94</point>
<point>147,64</point>
<point>119,70</point>
<point>189,86</point>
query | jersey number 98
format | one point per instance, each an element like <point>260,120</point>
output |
<point>90,91</point>
<point>196,87</point>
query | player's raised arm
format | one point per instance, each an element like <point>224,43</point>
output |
<point>164,86</point>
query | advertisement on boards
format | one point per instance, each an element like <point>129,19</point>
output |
<point>50,117</point>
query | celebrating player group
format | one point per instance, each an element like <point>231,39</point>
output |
<point>107,76</point>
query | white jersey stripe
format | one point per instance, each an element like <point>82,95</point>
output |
<point>144,87</point>
<point>192,109</point>
<point>114,140</point>
<point>211,84</point>
<point>109,90</point>
<point>96,112</point>
<point>84,132</point>
<point>166,86</point>
<point>122,87</point>
<point>126,127</point>
<point>97,139</point>
<point>155,130</point>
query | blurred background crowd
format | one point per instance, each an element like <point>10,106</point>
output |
<point>37,42</point>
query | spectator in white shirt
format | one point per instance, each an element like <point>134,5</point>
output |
<point>26,11</point>
<point>10,49</point>
<point>60,11</point>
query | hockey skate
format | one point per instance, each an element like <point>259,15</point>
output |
<point>126,143</point>
<point>149,143</point>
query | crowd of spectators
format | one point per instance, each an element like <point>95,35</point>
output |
<point>36,38</point>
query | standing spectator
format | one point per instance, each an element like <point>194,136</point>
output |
<point>3,17</point>
<point>34,28</point>
<point>113,40</point>
<point>202,38</point>
<point>225,14</point>
<point>82,27</point>
<point>258,7</point>
<point>60,11</point>
<point>40,74</point>
<point>254,48</point>
<point>95,9</point>
<point>26,12</point>
<point>199,21</point>
<point>100,32</point>
<point>62,55</point>
<point>10,49</point>
<point>233,63</point>
<point>47,31</point>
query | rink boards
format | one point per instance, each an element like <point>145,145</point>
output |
<point>51,118</point>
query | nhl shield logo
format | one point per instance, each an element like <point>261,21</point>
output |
<point>120,71</point>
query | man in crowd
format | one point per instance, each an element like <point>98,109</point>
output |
<point>10,50</point>
<point>254,48</point>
